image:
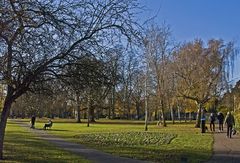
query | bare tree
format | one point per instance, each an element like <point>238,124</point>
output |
<point>41,37</point>
<point>158,49</point>
<point>115,56</point>
<point>129,71</point>
<point>138,92</point>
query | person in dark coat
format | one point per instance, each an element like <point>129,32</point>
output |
<point>230,122</point>
<point>33,119</point>
<point>220,118</point>
<point>212,122</point>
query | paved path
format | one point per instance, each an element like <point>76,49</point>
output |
<point>89,154</point>
<point>225,150</point>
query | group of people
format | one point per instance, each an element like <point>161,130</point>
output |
<point>229,121</point>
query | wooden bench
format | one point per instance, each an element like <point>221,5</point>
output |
<point>48,125</point>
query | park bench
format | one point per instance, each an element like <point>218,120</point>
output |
<point>48,125</point>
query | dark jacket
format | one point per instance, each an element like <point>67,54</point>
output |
<point>33,119</point>
<point>220,117</point>
<point>229,120</point>
<point>212,118</point>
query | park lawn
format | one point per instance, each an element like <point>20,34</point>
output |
<point>21,145</point>
<point>183,141</point>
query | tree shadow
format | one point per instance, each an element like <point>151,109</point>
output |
<point>49,130</point>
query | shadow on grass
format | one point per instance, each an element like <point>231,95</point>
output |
<point>49,130</point>
<point>159,155</point>
<point>20,145</point>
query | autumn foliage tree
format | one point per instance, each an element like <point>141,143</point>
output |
<point>201,71</point>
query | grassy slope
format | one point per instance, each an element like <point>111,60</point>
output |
<point>22,146</point>
<point>189,142</point>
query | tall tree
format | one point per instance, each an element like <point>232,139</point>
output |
<point>158,49</point>
<point>40,37</point>
<point>86,73</point>
<point>129,71</point>
<point>115,56</point>
<point>138,92</point>
<point>201,71</point>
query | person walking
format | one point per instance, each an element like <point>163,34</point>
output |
<point>212,122</point>
<point>33,119</point>
<point>220,118</point>
<point>230,122</point>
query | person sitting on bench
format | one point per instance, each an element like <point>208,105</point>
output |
<point>48,125</point>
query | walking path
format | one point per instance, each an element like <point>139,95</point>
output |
<point>225,150</point>
<point>90,154</point>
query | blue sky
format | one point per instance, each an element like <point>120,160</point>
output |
<point>205,19</point>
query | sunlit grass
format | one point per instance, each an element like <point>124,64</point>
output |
<point>126,139</point>
<point>22,146</point>
<point>188,142</point>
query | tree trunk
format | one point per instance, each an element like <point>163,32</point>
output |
<point>5,113</point>
<point>198,119</point>
<point>185,116</point>
<point>163,116</point>
<point>78,110</point>
<point>179,114</point>
<point>78,114</point>
<point>113,102</point>
<point>109,113</point>
<point>97,115</point>
<point>146,115</point>
<point>190,116</point>
<point>172,115</point>
<point>88,116</point>
<point>138,110</point>
<point>88,111</point>
<point>3,123</point>
<point>155,114</point>
<point>146,105</point>
<point>128,110</point>
<point>125,115</point>
<point>92,115</point>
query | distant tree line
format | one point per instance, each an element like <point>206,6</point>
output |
<point>176,80</point>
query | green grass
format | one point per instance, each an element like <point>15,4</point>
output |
<point>22,146</point>
<point>185,141</point>
<point>125,139</point>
